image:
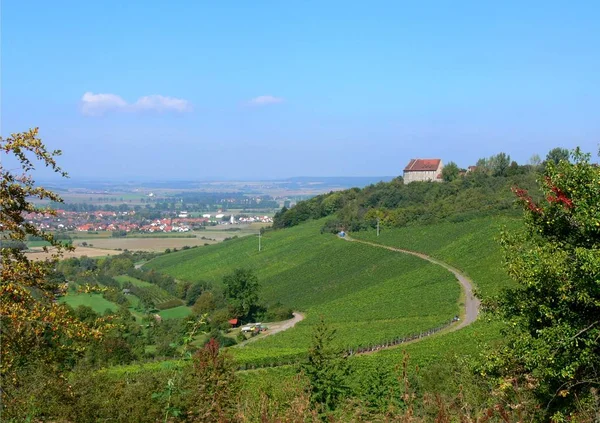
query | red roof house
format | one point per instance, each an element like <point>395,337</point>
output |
<point>423,170</point>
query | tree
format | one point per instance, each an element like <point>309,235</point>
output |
<point>499,164</point>
<point>556,155</point>
<point>535,161</point>
<point>193,292</point>
<point>33,327</point>
<point>450,172</point>
<point>241,290</point>
<point>205,303</point>
<point>326,369</point>
<point>554,313</point>
<point>213,386</point>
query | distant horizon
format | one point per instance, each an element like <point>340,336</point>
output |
<point>253,90</point>
<point>58,178</point>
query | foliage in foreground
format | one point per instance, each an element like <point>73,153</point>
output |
<point>34,329</point>
<point>554,313</point>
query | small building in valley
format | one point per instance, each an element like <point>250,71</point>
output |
<point>423,170</point>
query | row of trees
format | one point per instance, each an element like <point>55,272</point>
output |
<point>484,190</point>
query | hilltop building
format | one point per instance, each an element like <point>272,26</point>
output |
<point>423,170</point>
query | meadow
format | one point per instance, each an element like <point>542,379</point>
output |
<point>95,301</point>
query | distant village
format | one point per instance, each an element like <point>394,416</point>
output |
<point>127,221</point>
<point>183,221</point>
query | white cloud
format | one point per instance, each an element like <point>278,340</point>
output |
<point>263,100</point>
<point>98,104</point>
<point>161,103</point>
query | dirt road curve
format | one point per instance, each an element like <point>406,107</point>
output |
<point>472,303</point>
<point>276,328</point>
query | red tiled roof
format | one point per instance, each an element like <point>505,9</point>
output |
<point>422,165</point>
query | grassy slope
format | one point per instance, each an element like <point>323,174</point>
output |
<point>469,246</point>
<point>368,294</point>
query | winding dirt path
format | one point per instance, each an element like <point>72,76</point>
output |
<point>276,327</point>
<point>471,302</point>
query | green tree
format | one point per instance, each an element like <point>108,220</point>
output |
<point>193,292</point>
<point>535,161</point>
<point>205,303</point>
<point>556,155</point>
<point>450,172</point>
<point>326,369</point>
<point>554,313</point>
<point>499,164</point>
<point>213,386</point>
<point>241,290</point>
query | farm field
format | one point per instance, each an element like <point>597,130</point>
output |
<point>469,246</point>
<point>108,234</point>
<point>143,244</point>
<point>483,264</point>
<point>79,252</point>
<point>367,294</point>
<point>161,241</point>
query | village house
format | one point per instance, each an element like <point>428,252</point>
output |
<point>423,170</point>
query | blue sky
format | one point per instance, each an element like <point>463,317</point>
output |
<point>256,89</point>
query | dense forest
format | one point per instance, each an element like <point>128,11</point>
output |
<point>463,195</point>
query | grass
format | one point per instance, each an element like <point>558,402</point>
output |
<point>122,279</point>
<point>470,246</point>
<point>344,276</point>
<point>367,294</point>
<point>175,312</point>
<point>95,301</point>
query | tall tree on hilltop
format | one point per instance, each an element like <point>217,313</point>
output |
<point>450,172</point>
<point>556,155</point>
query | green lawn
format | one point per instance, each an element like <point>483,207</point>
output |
<point>95,301</point>
<point>175,312</point>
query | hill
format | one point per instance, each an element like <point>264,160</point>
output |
<point>483,192</point>
<point>367,294</point>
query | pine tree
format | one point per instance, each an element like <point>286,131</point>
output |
<point>326,369</point>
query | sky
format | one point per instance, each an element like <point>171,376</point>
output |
<point>200,90</point>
